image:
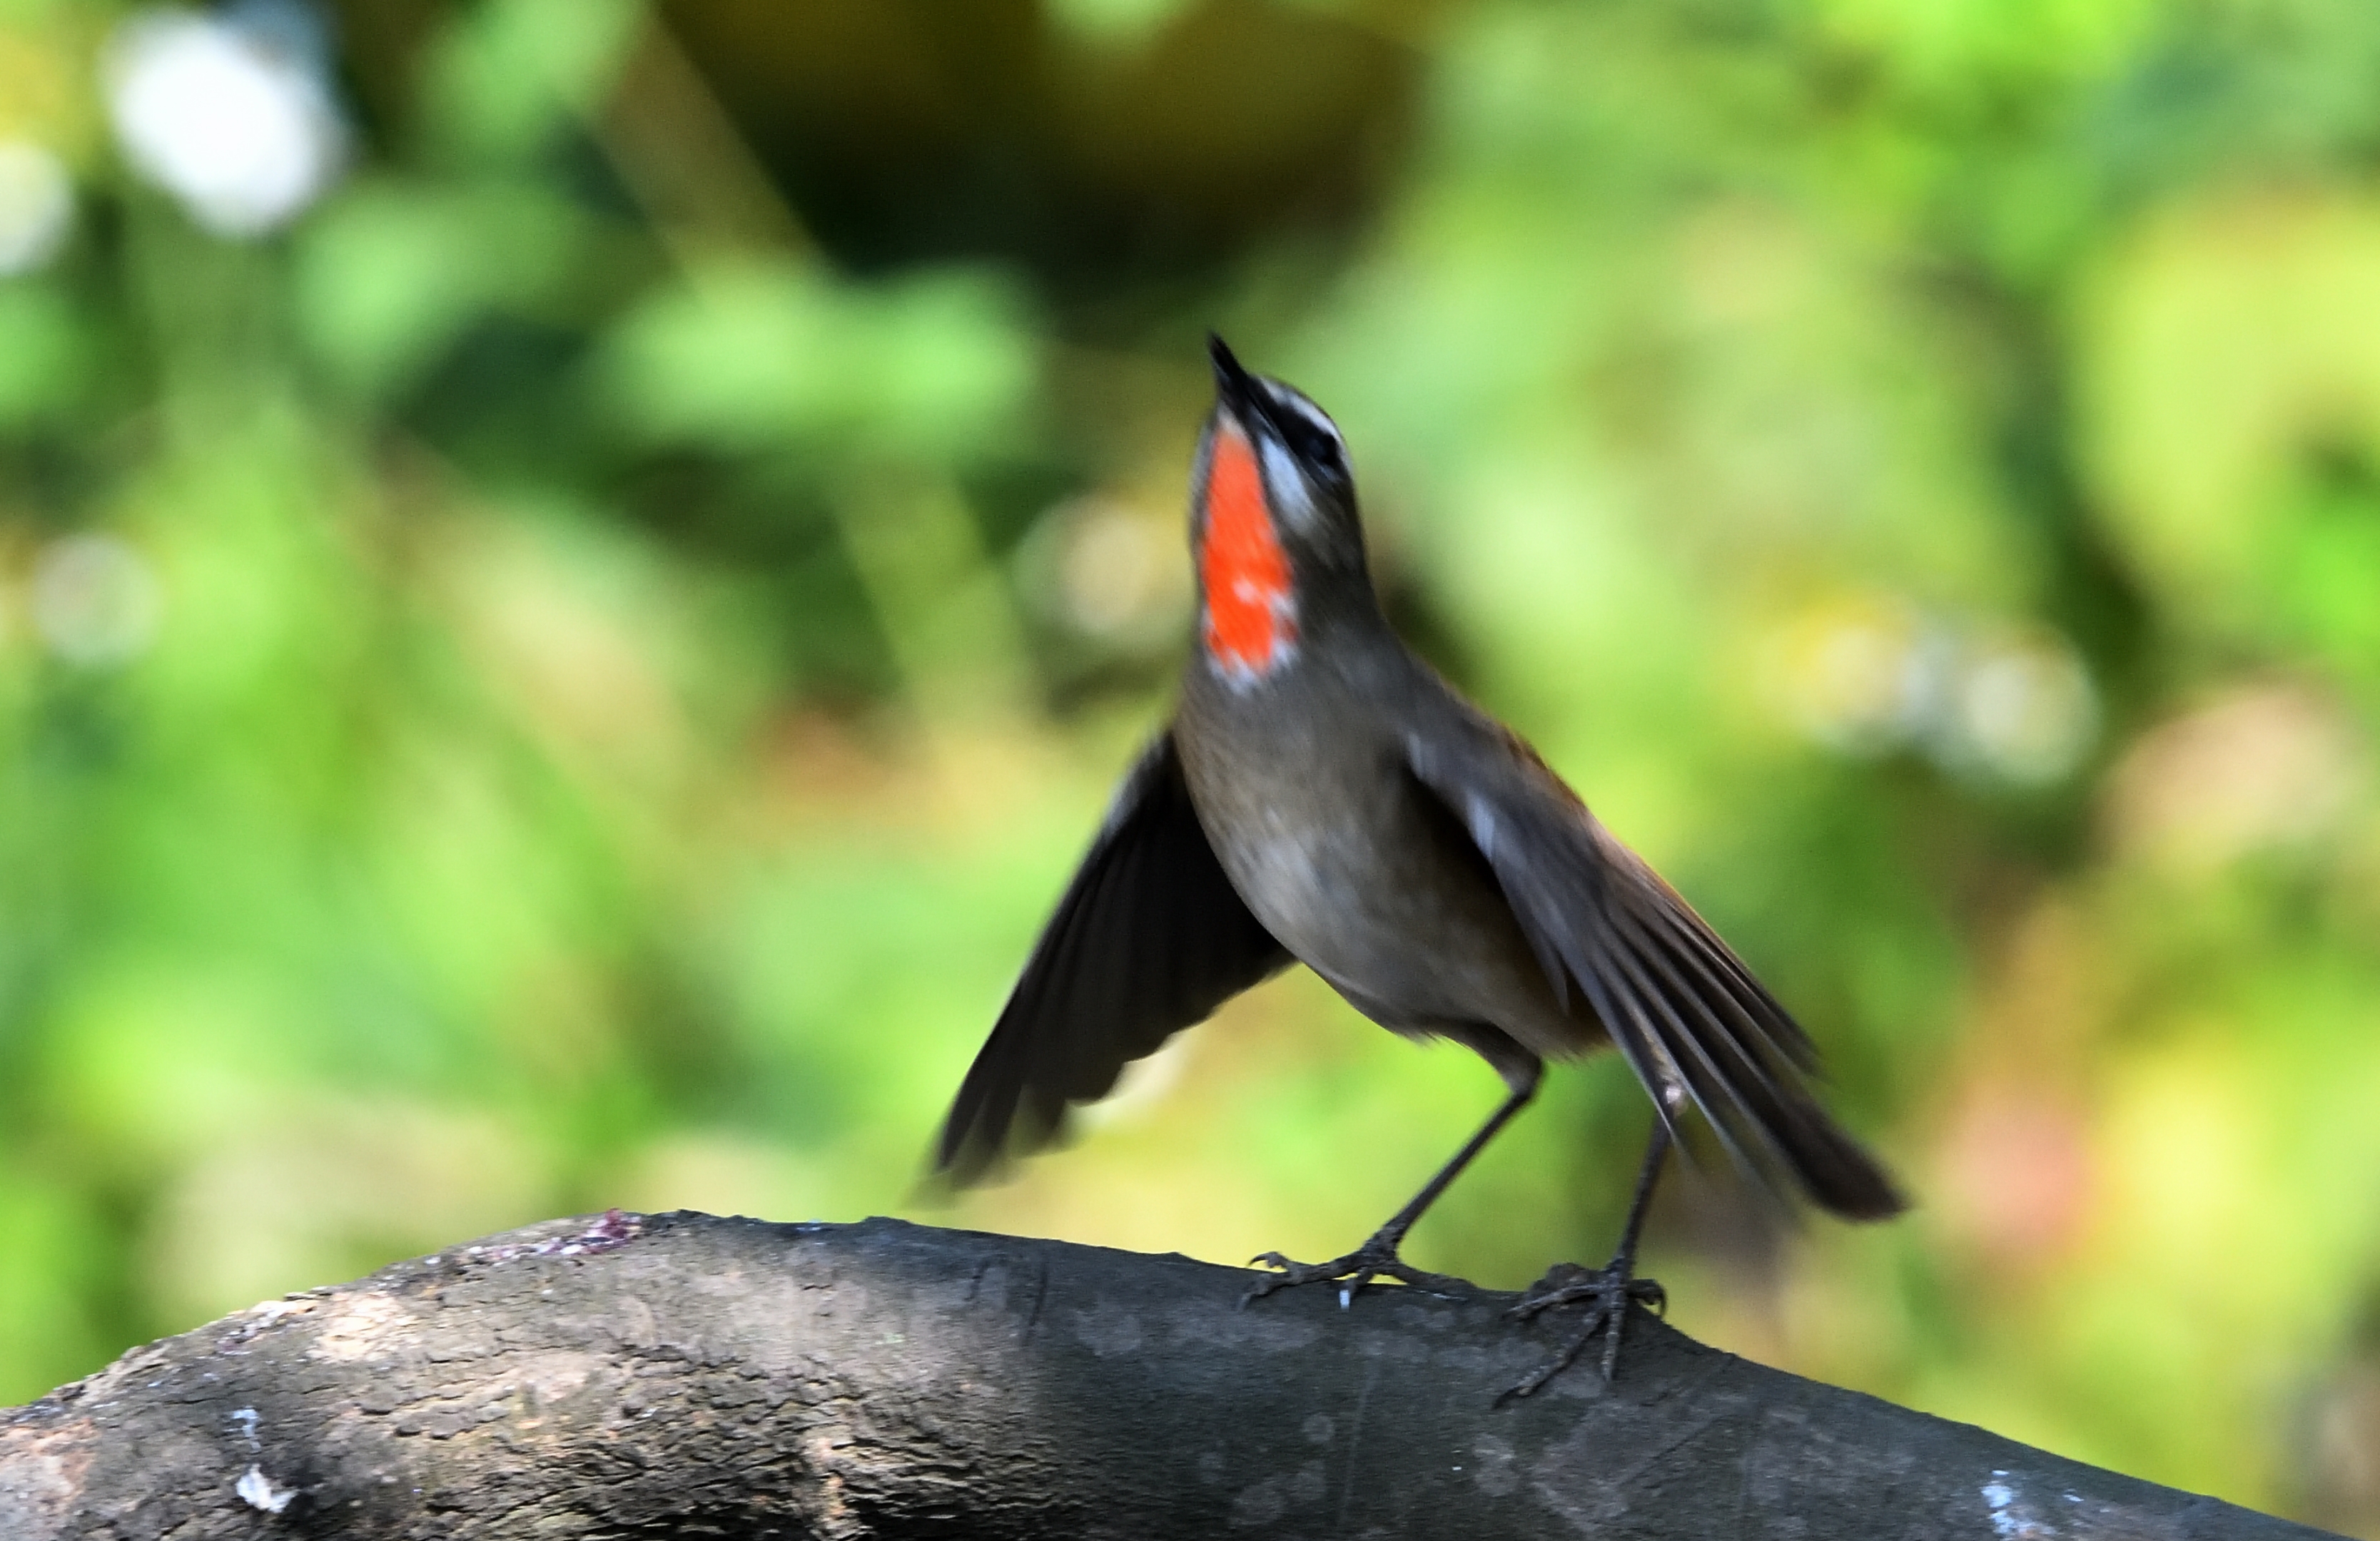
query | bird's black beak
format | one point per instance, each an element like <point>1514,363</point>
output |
<point>1233,386</point>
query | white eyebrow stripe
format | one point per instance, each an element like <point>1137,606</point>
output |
<point>1284,396</point>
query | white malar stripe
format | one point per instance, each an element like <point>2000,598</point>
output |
<point>1285,486</point>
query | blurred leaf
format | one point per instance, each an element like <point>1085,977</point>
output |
<point>45,353</point>
<point>47,1275</point>
<point>1115,23</point>
<point>389,276</point>
<point>41,96</point>
<point>508,74</point>
<point>2228,340</point>
<point>749,355</point>
<point>1955,48</point>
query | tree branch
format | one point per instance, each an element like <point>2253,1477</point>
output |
<point>683,1376</point>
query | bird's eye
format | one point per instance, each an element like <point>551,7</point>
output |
<point>1314,447</point>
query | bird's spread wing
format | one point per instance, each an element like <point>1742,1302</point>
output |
<point>1149,939</point>
<point>1689,1016</point>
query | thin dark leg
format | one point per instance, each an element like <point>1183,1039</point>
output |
<point>1609,1291</point>
<point>1376,1258</point>
<point>1393,1232</point>
<point>1646,1176</point>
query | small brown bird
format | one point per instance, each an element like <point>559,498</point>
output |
<point>1323,796</point>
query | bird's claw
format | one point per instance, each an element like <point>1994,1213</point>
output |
<point>1566,1283</point>
<point>1608,1292</point>
<point>1375,1259</point>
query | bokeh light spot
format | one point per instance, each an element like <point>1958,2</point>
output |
<point>36,206</point>
<point>95,599</point>
<point>239,130</point>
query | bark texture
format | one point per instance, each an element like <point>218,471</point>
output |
<point>685,1376</point>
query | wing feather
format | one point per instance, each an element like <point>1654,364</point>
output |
<point>1150,938</point>
<point>1689,1016</point>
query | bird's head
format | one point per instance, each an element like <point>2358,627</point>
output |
<point>1272,520</point>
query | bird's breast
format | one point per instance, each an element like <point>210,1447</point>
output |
<point>1328,846</point>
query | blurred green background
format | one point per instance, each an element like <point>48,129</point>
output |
<point>575,576</point>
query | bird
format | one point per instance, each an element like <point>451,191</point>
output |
<point>1323,796</point>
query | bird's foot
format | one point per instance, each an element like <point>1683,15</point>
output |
<point>1375,1259</point>
<point>1608,1293</point>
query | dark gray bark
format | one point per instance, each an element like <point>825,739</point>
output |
<point>686,1375</point>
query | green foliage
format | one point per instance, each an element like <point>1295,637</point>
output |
<point>571,676</point>
<point>390,277</point>
<point>752,355</point>
<point>42,362</point>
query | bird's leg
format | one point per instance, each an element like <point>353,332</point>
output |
<point>1609,1291</point>
<point>1376,1258</point>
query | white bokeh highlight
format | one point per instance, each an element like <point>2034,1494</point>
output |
<point>2024,710</point>
<point>241,132</point>
<point>95,600</point>
<point>1871,677</point>
<point>36,206</point>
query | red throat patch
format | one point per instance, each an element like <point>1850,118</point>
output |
<point>1251,607</point>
